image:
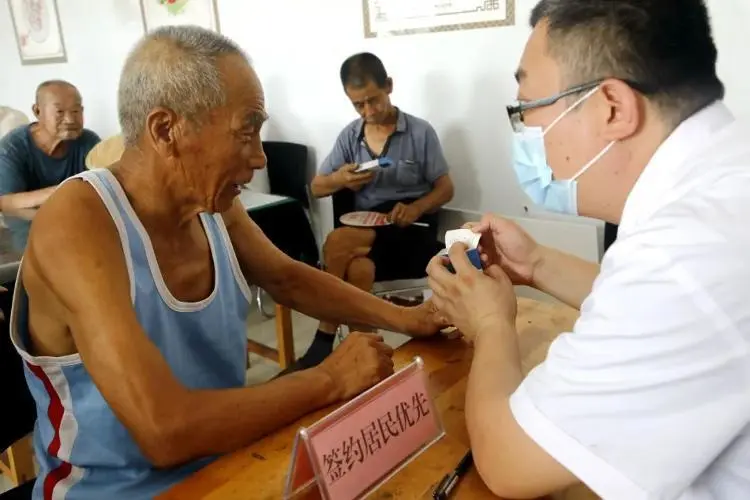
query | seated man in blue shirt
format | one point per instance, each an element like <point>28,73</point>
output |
<point>35,158</point>
<point>412,189</point>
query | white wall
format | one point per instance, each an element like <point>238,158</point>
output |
<point>459,81</point>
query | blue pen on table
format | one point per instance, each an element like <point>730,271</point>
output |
<point>446,485</point>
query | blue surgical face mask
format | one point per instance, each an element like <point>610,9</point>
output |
<point>535,175</point>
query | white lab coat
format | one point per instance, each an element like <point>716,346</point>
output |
<point>649,396</point>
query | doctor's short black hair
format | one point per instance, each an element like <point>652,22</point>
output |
<point>362,68</point>
<point>664,46</point>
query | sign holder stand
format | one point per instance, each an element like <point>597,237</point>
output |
<point>305,479</point>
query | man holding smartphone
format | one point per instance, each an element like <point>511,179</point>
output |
<point>410,183</point>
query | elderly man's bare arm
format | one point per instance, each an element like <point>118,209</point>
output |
<point>78,285</point>
<point>25,200</point>
<point>314,292</point>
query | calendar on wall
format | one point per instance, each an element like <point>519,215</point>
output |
<point>399,17</point>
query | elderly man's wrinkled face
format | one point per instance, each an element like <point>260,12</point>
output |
<point>373,103</point>
<point>59,111</point>
<point>219,155</point>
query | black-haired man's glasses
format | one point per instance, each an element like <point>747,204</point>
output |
<point>516,111</point>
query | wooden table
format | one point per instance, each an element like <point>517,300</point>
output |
<point>259,471</point>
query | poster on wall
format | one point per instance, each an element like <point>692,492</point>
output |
<point>383,18</point>
<point>36,24</point>
<point>203,13</point>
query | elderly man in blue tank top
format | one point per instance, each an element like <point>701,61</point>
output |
<point>131,301</point>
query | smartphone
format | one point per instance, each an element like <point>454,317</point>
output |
<point>373,164</point>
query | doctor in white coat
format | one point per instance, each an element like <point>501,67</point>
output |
<point>619,117</point>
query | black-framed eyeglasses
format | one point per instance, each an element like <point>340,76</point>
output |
<point>515,111</point>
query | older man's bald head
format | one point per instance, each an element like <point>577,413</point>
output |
<point>174,67</point>
<point>51,88</point>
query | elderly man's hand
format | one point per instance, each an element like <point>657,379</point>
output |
<point>404,215</point>
<point>425,320</point>
<point>347,177</point>
<point>361,361</point>
<point>470,299</point>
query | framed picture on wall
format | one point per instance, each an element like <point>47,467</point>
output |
<point>386,18</point>
<point>158,13</point>
<point>36,24</point>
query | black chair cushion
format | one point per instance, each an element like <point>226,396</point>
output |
<point>287,170</point>
<point>15,393</point>
<point>287,226</point>
<point>610,235</point>
<point>21,492</point>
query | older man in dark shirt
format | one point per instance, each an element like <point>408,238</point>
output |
<point>35,158</point>
<point>411,190</point>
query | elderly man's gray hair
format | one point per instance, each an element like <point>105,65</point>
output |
<point>174,67</point>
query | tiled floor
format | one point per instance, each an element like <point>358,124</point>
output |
<point>264,331</point>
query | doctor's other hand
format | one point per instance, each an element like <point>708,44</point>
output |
<point>473,301</point>
<point>506,244</point>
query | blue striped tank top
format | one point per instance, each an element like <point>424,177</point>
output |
<point>84,451</point>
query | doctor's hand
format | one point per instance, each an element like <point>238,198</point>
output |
<point>505,244</point>
<point>473,301</point>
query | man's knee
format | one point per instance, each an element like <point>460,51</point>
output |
<point>361,272</point>
<point>346,243</point>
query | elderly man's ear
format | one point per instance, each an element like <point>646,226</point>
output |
<point>162,124</point>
